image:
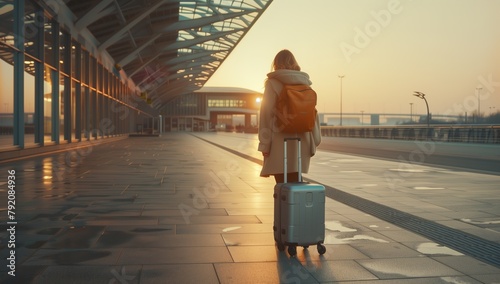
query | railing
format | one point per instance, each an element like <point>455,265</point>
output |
<point>446,133</point>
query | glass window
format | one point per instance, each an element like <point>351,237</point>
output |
<point>7,101</point>
<point>30,29</point>
<point>226,103</point>
<point>99,110</point>
<point>61,106</point>
<point>49,43</point>
<point>84,65</point>
<point>106,82</point>
<point>92,111</point>
<point>74,59</point>
<point>64,49</point>
<point>99,77</point>
<point>29,102</point>
<point>91,72</point>
<point>73,110</point>
<point>83,107</point>
<point>7,71</point>
<point>47,104</point>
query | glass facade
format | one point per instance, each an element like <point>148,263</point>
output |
<point>227,103</point>
<point>52,90</point>
<point>186,105</point>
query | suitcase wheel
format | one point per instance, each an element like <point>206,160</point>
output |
<point>321,248</point>
<point>292,250</point>
<point>281,246</point>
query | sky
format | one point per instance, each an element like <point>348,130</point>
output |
<point>386,50</point>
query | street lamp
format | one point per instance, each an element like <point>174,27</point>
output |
<point>422,96</point>
<point>341,76</point>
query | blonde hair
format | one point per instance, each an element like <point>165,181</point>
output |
<point>285,60</point>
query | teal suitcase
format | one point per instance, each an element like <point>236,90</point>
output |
<point>299,212</point>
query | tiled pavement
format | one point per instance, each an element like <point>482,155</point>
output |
<point>176,209</point>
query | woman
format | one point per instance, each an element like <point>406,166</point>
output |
<point>285,70</point>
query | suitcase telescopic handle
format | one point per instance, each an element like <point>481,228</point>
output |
<point>299,158</point>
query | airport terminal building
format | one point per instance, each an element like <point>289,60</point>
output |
<point>214,109</point>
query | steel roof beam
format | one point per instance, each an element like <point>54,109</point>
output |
<point>145,64</point>
<point>180,61</point>
<point>197,23</point>
<point>175,77</point>
<point>98,11</point>
<point>188,57</point>
<point>187,43</point>
<point>123,31</point>
<point>129,58</point>
<point>192,64</point>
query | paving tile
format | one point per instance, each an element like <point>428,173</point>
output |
<point>74,257</point>
<point>118,220</point>
<point>386,250</point>
<point>235,205</point>
<point>486,278</point>
<point>336,252</point>
<point>112,212</point>
<point>127,239</point>
<point>337,238</point>
<point>407,268</point>
<point>179,273</point>
<point>340,270</point>
<point>468,265</point>
<point>263,272</point>
<point>89,274</point>
<point>75,237</point>
<point>402,235</point>
<point>174,255</point>
<point>360,217</point>
<point>432,249</point>
<point>211,220</point>
<point>178,212</point>
<point>345,226</point>
<point>223,228</point>
<point>380,226</point>
<point>250,211</point>
<point>170,229</point>
<point>105,205</point>
<point>248,239</point>
<point>255,253</point>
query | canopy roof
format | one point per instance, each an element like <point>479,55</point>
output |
<point>165,48</point>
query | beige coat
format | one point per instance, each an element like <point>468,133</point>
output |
<point>271,139</point>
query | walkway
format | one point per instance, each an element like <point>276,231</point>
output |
<point>176,209</point>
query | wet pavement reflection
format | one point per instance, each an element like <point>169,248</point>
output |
<point>175,207</point>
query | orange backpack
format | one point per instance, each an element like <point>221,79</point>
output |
<point>296,109</point>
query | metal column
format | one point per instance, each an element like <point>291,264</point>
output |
<point>39,77</point>
<point>19,73</point>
